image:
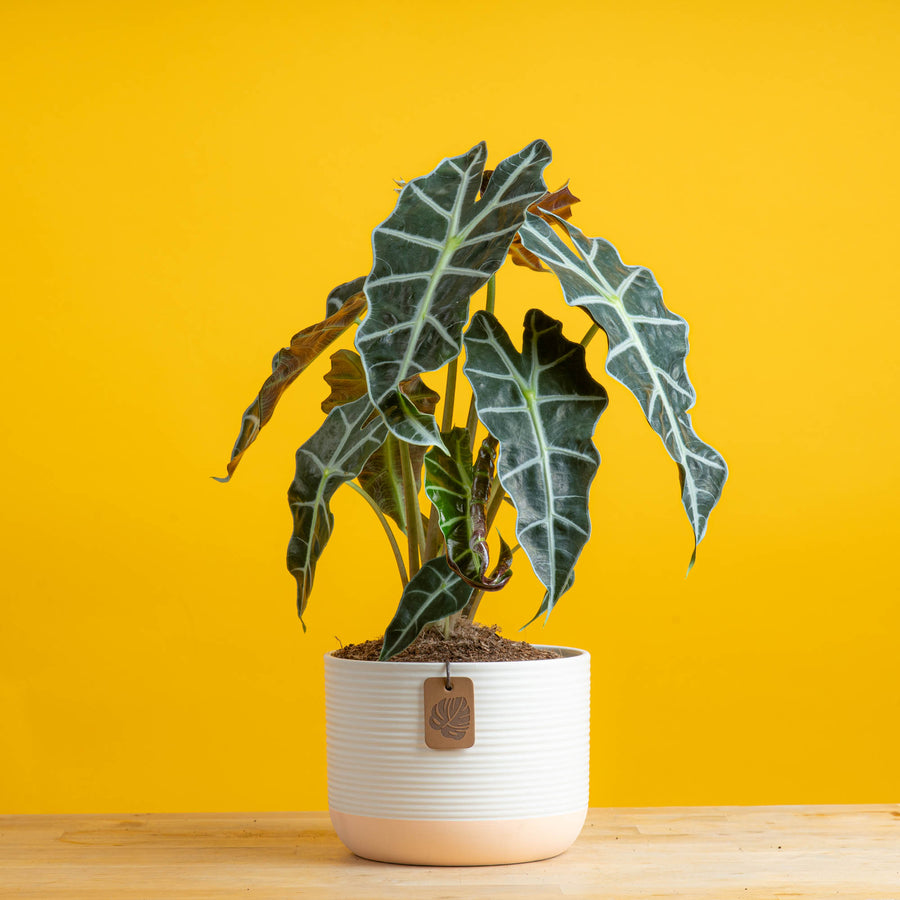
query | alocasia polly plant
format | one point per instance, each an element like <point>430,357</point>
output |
<point>448,235</point>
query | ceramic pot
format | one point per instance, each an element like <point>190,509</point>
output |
<point>520,793</point>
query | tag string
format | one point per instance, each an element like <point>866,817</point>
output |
<point>449,683</point>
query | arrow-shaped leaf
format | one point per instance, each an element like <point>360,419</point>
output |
<point>289,362</point>
<point>460,493</point>
<point>542,405</point>
<point>648,345</point>
<point>438,247</point>
<point>332,456</point>
<point>434,593</point>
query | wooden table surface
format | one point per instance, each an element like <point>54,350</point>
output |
<point>695,853</point>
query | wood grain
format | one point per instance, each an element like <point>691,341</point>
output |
<point>703,853</point>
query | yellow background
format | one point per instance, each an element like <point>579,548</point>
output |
<point>183,183</point>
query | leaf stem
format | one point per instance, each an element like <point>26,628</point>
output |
<point>589,335</point>
<point>472,418</point>
<point>432,533</point>
<point>472,605</point>
<point>491,293</point>
<point>398,556</point>
<point>472,423</point>
<point>415,538</point>
<point>450,395</point>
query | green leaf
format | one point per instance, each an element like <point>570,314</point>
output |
<point>288,363</point>
<point>332,456</point>
<point>542,405</point>
<point>439,246</point>
<point>434,593</point>
<point>382,476</point>
<point>460,493</point>
<point>648,345</point>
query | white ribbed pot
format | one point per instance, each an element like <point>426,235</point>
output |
<point>519,794</point>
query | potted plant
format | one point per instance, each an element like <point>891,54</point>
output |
<point>406,781</point>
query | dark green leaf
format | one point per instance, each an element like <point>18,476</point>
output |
<point>332,456</point>
<point>542,405</point>
<point>437,248</point>
<point>382,476</point>
<point>434,593</point>
<point>460,493</point>
<point>648,346</point>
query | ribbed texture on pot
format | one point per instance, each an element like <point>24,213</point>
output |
<point>531,753</point>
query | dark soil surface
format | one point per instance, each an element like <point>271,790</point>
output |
<point>470,642</point>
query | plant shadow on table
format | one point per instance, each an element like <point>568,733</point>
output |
<point>248,837</point>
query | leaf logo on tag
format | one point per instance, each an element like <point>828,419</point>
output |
<point>451,716</point>
<point>448,713</point>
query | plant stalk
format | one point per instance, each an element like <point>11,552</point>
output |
<point>450,395</point>
<point>415,538</point>
<point>432,533</point>
<point>472,423</point>
<point>472,428</point>
<point>589,335</point>
<point>398,556</point>
<point>472,605</point>
<point>472,418</point>
<point>491,293</point>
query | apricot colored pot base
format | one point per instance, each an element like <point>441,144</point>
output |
<point>483,842</point>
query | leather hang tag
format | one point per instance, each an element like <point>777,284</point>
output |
<point>449,713</point>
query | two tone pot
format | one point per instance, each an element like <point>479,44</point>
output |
<point>497,774</point>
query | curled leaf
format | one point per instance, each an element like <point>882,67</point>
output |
<point>558,202</point>
<point>459,492</point>
<point>347,379</point>
<point>287,364</point>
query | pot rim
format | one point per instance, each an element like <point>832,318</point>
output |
<point>568,654</point>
